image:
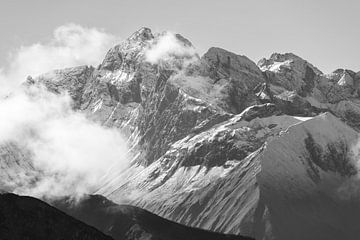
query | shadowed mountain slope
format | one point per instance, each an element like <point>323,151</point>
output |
<point>129,222</point>
<point>29,218</point>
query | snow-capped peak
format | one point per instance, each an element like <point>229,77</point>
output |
<point>278,61</point>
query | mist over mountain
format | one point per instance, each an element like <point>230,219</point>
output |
<point>268,150</point>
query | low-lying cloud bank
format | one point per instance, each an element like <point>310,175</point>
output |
<point>70,152</point>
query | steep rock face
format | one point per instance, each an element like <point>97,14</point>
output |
<point>240,74</point>
<point>72,80</point>
<point>299,88</point>
<point>291,72</point>
<point>343,77</point>
<point>346,90</point>
<point>124,55</point>
<point>16,169</point>
<point>30,218</point>
<point>158,105</point>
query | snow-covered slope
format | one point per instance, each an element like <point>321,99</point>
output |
<point>306,180</point>
<point>306,160</point>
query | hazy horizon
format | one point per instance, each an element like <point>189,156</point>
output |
<point>325,33</point>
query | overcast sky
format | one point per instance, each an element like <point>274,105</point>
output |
<point>324,32</point>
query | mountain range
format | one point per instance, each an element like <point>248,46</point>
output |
<point>217,142</point>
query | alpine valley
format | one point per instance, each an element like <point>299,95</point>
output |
<point>219,148</point>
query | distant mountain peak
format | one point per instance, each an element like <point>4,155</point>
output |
<point>277,61</point>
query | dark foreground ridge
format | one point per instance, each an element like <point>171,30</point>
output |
<point>23,217</point>
<point>29,218</point>
<point>129,222</point>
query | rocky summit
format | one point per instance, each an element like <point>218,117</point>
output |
<point>218,142</point>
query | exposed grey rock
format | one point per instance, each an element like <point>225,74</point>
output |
<point>14,162</point>
<point>72,80</point>
<point>122,55</point>
<point>240,74</point>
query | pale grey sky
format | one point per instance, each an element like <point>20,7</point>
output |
<point>325,32</point>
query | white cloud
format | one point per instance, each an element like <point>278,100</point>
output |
<point>68,148</point>
<point>69,152</point>
<point>167,46</point>
<point>71,45</point>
